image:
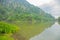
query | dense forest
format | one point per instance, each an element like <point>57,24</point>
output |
<point>26,16</point>
<point>58,20</point>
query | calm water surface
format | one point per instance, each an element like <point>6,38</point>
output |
<point>52,33</point>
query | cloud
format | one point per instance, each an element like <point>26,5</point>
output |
<point>58,1</point>
<point>52,8</point>
<point>39,2</point>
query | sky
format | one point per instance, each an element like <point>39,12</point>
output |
<point>50,6</point>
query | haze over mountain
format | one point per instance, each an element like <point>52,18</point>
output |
<point>50,6</point>
<point>27,16</point>
<point>53,7</point>
<point>17,10</point>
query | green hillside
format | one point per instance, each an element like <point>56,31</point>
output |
<point>31,19</point>
<point>58,20</point>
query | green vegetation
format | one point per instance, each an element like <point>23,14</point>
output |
<point>31,19</point>
<point>6,31</point>
<point>59,20</point>
<point>6,38</point>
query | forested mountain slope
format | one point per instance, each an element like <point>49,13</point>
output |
<point>21,10</point>
<point>27,16</point>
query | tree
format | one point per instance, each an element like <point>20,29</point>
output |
<point>59,20</point>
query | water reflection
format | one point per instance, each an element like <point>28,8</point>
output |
<point>52,33</point>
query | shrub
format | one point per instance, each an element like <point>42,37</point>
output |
<point>6,28</point>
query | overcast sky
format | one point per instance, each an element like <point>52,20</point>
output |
<point>50,6</point>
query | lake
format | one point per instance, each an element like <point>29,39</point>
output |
<point>51,33</point>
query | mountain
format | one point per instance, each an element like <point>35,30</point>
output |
<point>27,16</point>
<point>20,10</point>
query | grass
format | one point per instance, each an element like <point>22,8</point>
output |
<point>28,30</point>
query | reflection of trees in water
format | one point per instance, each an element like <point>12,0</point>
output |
<point>51,33</point>
<point>59,20</point>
